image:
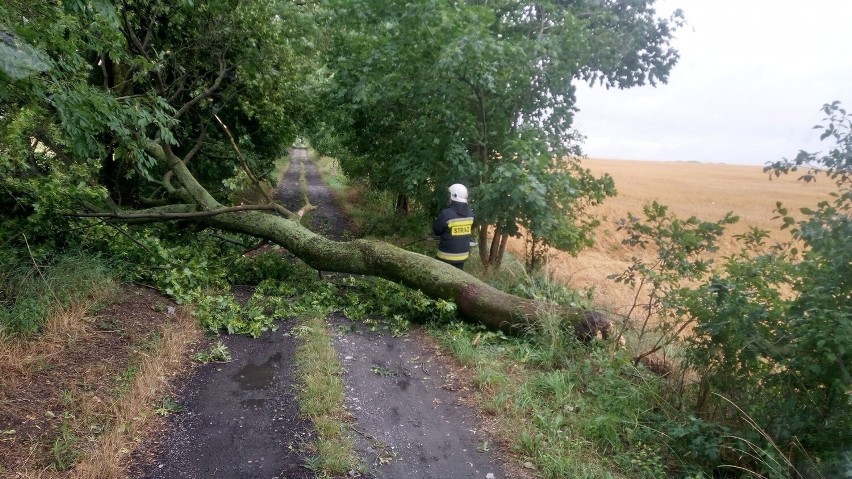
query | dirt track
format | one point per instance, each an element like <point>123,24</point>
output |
<point>242,417</point>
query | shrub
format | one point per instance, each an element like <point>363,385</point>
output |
<point>31,290</point>
<point>772,333</point>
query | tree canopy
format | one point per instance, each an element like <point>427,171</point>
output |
<point>425,94</point>
<point>87,85</point>
<point>151,111</point>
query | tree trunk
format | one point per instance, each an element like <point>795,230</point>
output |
<point>491,255</point>
<point>475,299</point>
<point>504,238</point>
<point>439,280</point>
<point>483,245</point>
<point>402,204</point>
<point>495,246</point>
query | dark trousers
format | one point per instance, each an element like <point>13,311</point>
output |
<point>457,264</point>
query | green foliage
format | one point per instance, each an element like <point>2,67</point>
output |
<point>201,272</point>
<point>546,194</point>
<point>772,328</point>
<point>377,215</point>
<point>595,415</point>
<point>87,85</point>
<point>65,451</point>
<point>681,250</point>
<point>781,357</point>
<point>254,269</point>
<point>32,289</point>
<point>773,361</point>
<point>834,165</point>
<point>222,312</point>
<point>301,292</point>
<point>481,93</point>
<point>180,263</point>
<point>358,299</point>
<point>698,443</point>
<point>379,297</point>
<point>168,406</point>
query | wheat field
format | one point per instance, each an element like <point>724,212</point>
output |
<point>705,190</point>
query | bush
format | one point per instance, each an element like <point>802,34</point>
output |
<point>32,290</point>
<point>772,334</point>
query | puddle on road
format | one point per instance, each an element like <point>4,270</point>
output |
<point>258,376</point>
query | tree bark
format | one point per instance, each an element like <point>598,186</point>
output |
<point>475,299</point>
<point>483,245</point>
<point>401,204</point>
<point>495,246</point>
<point>504,239</point>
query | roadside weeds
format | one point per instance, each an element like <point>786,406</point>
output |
<point>133,413</point>
<point>75,399</point>
<point>321,398</point>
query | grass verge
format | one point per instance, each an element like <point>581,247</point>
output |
<point>373,213</point>
<point>75,400</point>
<point>580,414</point>
<point>32,291</point>
<point>133,412</point>
<point>321,396</point>
<point>332,174</point>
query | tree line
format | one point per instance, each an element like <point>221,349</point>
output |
<point>116,115</point>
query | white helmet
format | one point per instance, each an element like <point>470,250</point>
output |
<point>458,192</point>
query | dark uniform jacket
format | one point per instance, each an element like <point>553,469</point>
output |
<point>454,226</point>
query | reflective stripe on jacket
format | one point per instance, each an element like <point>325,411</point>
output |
<point>454,225</point>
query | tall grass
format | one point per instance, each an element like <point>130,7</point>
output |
<point>569,409</point>
<point>580,413</point>
<point>31,291</point>
<point>330,171</point>
<point>373,212</point>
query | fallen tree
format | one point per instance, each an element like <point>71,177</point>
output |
<point>475,299</point>
<point>108,125</point>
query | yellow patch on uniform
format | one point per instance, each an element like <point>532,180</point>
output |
<point>460,226</point>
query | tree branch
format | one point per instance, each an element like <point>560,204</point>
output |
<point>475,299</point>
<point>218,81</point>
<point>177,212</point>
<point>131,238</point>
<point>181,85</point>
<point>198,142</point>
<point>59,152</point>
<point>255,181</point>
<point>102,63</point>
<point>128,31</point>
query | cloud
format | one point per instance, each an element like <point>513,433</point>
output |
<point>752,77</point>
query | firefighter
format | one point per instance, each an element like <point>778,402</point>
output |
<point>454,226</point>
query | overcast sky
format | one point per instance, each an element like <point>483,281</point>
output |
<point>751,79</point>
